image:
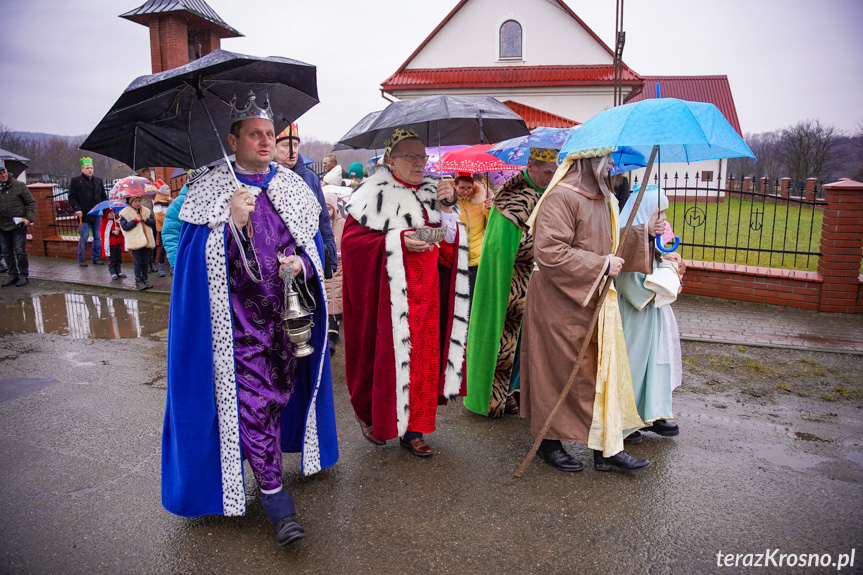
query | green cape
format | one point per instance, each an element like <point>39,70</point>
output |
<point>489,305</point>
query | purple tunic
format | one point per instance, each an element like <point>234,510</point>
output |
<point>263,353</point>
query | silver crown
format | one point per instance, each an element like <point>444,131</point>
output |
<point>250,110</point>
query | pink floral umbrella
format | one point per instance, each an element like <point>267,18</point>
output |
<point>132,186</point>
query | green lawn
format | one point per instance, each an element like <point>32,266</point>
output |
<point>749,225</point>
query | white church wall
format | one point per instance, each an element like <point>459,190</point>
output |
<point>550,37</point>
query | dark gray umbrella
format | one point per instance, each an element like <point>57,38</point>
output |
<point>15,164</point>
<point>439,120</point>
<point>174,118</point>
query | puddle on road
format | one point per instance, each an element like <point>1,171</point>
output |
<point>778,455</point>
<point>83,316</point>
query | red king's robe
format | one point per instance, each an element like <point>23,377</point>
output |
<point>429,337</point>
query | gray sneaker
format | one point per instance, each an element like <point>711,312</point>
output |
<point>115,277</point>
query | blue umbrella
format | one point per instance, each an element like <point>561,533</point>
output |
<point>516,151</point>
<point>676,130</point>
<point>116,204</point>
<point>684,131</point>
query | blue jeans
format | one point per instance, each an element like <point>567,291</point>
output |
<point>84,230</point>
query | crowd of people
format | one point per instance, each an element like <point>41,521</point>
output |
<point>438,289</point>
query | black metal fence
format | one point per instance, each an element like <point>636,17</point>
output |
<point>66,223</point>
<point>745,227</point>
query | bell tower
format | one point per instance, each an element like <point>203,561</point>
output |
<point>181,31</point>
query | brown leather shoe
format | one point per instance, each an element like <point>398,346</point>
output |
<point>417,447</point>
<point>367,433</point>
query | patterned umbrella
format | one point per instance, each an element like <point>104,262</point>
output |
<point>115,204</point>
<point>475,160</point>
<point>132,186</point>
<point>517,150</point>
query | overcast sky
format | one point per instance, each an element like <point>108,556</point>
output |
<point>65,62</point>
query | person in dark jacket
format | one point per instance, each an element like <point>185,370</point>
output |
<point>17,211</point>
<point>288,155</point>
<point>85,191</point>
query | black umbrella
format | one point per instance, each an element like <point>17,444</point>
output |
<point>439,120</point>
<point>174,118</point>
<point>15,164</point>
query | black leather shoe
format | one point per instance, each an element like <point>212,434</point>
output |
<point>633,438</point>
<point>98,263</point>
<point>22,281</point>
<point>289,530</point>
<point>621,461</point>
<point>559,458</point>
<point>664,428</point>
<point>511,405</point>
<point>82,263</point>
<point>11,281</point>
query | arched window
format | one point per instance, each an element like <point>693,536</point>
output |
<point>510,39</point>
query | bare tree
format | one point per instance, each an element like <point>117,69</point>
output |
<point>767,147</point>
<point>807,149</point>
<point>9,141</point>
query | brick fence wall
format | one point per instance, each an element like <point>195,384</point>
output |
<point>837,286</point>
<point>43,239</point>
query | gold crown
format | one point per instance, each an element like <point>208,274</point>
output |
<point>399,134</point>
<point>86,161</point>
<point>543,154</point>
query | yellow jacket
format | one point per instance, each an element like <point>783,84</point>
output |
<point>475,218</point>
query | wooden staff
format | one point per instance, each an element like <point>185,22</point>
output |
<point>571,381</point>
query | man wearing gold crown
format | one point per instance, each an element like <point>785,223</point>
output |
<point>236,389</point>
<point>576,230</point>
<point>405,300</point>
<point>501,288</point>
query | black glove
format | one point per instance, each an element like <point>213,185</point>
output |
<point>328,265</point>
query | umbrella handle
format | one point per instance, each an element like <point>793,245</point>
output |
<point>664,249</point>
<point>219,139</point>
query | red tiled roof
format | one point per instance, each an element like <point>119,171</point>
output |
<point>505,77</point>
<point>711,89</point>
<point>458,7</point>
<point>534,117</point>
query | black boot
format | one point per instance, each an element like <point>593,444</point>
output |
<point>282,512</point>
<point>140,285</point>
<point>621,461</point>
<point>633,438</point>
<point>11,281</point>
<point>552,452</point>
<point>22,281</point>
<point>664,428</point>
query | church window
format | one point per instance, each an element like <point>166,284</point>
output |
<point>510,39</point>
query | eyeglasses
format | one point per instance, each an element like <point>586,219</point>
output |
<point>414,158</point>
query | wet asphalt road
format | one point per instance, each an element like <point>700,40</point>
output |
<point>80,428</point>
